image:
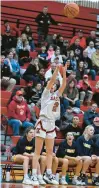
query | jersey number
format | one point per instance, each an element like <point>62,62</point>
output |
<point>56,104</point>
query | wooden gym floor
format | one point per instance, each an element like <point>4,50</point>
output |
<point>17,185</point>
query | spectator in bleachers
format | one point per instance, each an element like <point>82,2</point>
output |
<point>85,90</point>
<point>43,54</point>
<point>43,57</point>
<point>85,150</point>
<point>68,156</point>
<point>14,66</point>
<point>81,38</point>
<point>74,127</point>
<point>28,31</point>
<point>7,83</point>
<point>18,113</point>
<point>32,71</point>
<point>23,49</point>
<point>23,153</point>
<point>72,76</point>
<point>80,71</point>
<point>50,72</point>
<point>96,94</point>
<point>90,114</point>
<point>44,20</point>
<point>96,125</point>
<point>66,118</point>
<point>90,49</point>
<point>41,76</point>
<point>51,40</point>
<point>60,41</point>
<point>50,51</point>
<point>65,47</point>
<point>38,92</point>
<point>71,95</point>
<point>9,34</point>
<point>78,50</point>
<point>88,65</point>
<point>15,56</point>
<point>95,60</point>
<point>92,37</point>
<point>73,62</point>
<point>57,54</point>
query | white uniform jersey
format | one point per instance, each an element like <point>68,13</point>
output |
<point>50,105</point>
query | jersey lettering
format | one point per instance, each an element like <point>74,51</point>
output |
<point>56,104</point>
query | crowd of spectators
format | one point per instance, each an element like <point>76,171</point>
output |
<point>81,54</point>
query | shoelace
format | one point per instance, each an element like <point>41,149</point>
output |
<point>50,177</point>
<point>34,178</point>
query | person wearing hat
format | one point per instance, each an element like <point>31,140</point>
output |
<point>95,59</point>
<point>81,37</point>
<point>18,113</point>
<point>85,90</point>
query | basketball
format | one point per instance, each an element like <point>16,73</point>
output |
<point>71,10</point>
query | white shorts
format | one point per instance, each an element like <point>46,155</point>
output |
<point>45,128</point>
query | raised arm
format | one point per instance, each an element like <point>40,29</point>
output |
<point>61,89</point>
<point>53,79</point>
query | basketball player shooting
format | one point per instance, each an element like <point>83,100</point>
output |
<point>45,126</point>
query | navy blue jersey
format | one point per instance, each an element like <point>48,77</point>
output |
<point>84,147</point>
<point>23,146</point>
<point>65,149</point>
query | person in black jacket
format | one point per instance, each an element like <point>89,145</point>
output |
<point>78,50</point>
<point>85,147</point>
<point>23,153</point>
<point>31,73</point>
<point>7,83</point>
<point>88,69</point>
<point>68,155</point>
<point>44,19</point>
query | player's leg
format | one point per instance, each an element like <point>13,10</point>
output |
<point>20,159</point>
<point>48,177</point>
<point>86,163</point>
<point>78,164</point>
<point>95,179</point>
<point>38,147</point>
<point>64,163</point>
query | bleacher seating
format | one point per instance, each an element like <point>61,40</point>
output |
<point>23,14</point>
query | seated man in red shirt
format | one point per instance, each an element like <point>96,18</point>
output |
<point>18,113</point>
<point>81,37</point>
